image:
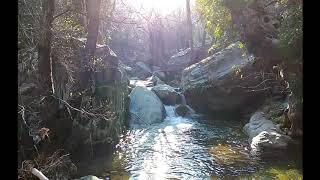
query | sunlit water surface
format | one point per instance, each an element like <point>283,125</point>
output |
<point>193,148</point>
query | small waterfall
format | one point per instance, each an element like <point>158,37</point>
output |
<point>170,111</point>
<point>183,99</point>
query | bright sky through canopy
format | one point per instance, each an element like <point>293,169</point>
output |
<point>164,7</point>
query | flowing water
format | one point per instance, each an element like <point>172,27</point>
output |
<point>196,147</point>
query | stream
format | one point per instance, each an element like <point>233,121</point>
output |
<point>196,147</point>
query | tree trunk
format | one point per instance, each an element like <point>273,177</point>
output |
<point>93,9</point>
<point>157,46</point>
<point>44,47</point>
<point>151,44</point>
<point>79,6</point>
<point>204,35</point>
<point>107,30</point>
<point>189,24</point>
<point>49,105</point>
<point>161,48</point>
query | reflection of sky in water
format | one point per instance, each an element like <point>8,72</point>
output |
<point>164,148</point>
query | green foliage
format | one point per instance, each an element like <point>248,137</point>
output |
<point>68,25</point>
<point>290,32</point>
<point>291,28</point>
<point>290,36</point>
<point>218,19</point>
<point>216,16</point>
<point>241,45</point>
<point>213,47</point>
<point>72,24</point>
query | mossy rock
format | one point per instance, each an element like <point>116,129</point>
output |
<point>273,109</point>
<point>228,155</point>
<point>277,173</point>
<point>278,120</point>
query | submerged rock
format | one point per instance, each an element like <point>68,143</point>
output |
<point>145,107</point>
<point>217,83</point>
<point>229,155</point>
<point>264,135</point>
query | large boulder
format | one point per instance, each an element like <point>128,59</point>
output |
<point>183,58</point>
<point>167,94</point>
<point>219,82</point>
<point>180,59</point>
<point>145,107</point>
<point>89,130</point>
<point>263,134</point>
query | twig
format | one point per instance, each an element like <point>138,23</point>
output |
<point>35,147</point>
<point>39,174</point>
<point>91,147</point>
<point>61,13</point>
<point>256,85</point>
<point>55,163</point>
<point>259,89</point>
<point>81,110</point>
<point>272,2</point>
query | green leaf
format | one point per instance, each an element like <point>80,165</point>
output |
<point>240,45</point>
<point>217,32</point>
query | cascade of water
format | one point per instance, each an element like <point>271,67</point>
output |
<point>170,111</point>
<point>183,99</point>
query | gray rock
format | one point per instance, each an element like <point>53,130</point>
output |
<point>145,107</point>
<point>155,80</point>
<point>263,134</point>
<point>268,140</point>
<point>160,74</point>
<point>213,84</point>
<point>258,123</point>
<point>181,59</point>
<point>166,93</point>
<point>184,110</point>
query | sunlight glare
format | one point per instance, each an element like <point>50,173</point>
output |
<point>164,7</point>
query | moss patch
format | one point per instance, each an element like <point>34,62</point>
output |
<point>228,155</point>
<point>277,173</point>
<point>274,111</point>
